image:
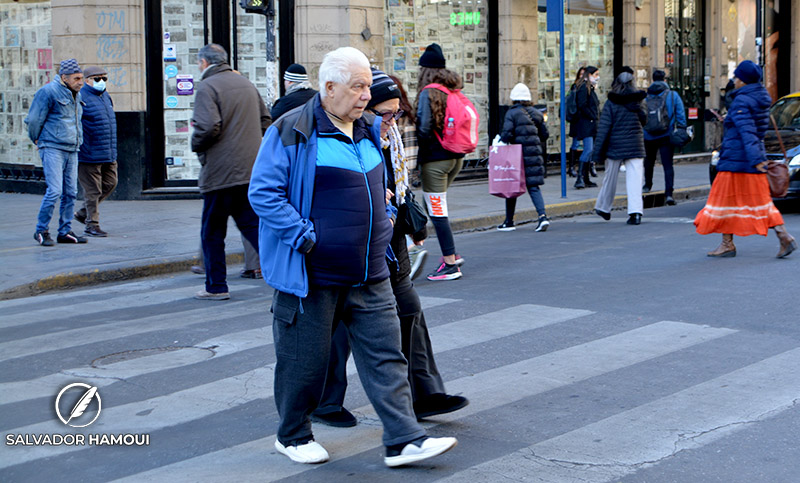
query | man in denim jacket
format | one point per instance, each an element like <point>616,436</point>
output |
<point>54,126</point>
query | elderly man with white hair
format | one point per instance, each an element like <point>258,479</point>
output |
<point>318,187</point>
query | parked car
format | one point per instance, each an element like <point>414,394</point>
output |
<point>786,113</point>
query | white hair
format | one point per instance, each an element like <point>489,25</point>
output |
<point>337,66</point>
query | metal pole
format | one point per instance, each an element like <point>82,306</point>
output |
<point>563,108</point>
<point>271,37</point>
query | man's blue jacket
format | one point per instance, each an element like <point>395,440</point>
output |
<point>99,127</point>
<point>281,193</point>
<point>54,119</point>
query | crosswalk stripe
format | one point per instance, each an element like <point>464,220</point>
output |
<point>115,330</point>
<point>643,436</point>
<point>224,345</point>
<point>39,312</point>
<point>486,390</point>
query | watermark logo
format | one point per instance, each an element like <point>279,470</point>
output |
<point>78,414</point>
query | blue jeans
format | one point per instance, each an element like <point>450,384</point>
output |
<point>61,175</point>
<point>536,197</point>
<point>588,146</point>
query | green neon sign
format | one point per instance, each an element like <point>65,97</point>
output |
<point>465,18</point>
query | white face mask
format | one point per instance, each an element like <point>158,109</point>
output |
<point>100,85</point>
<point>594,80</point>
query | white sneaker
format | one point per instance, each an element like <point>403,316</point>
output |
<point>544,222</point>
<point>309,453</point>
<point>203,295</point>
<point>412,453</point>
<point>417,259</point>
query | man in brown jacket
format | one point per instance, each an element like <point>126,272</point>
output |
<point>229,120</point>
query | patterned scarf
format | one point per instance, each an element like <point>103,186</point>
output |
<point>399,167</point>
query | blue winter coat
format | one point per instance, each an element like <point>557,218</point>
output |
<point>675,108</point>
<point>281,193</point>
<point>99,127</point>
<point>54,119</point>
<point>745,125</point>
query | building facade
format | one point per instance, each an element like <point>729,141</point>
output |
<point>149,49</point>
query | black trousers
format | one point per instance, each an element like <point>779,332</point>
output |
<point>218,205</point>
<point>667,150</point>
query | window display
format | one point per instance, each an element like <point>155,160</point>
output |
<point>26,64</point>
<point>461,29</point>
<point>588,40</point>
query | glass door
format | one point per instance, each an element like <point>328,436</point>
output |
<point>185,28</point>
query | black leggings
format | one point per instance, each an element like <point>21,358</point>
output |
<point>445,235</point>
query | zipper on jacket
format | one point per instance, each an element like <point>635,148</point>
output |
<point>369,200</point>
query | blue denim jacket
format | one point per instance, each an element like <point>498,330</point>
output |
<point>54,119</point>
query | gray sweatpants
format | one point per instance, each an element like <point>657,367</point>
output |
<point>303,344</point>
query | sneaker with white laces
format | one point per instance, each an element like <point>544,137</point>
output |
<point>417,258</point>
<point>445,272</point>
<point>507,226</point>
<point>417,450</point>
<point>544,222</point>
<point>204,295</point>
<point>309,453</point>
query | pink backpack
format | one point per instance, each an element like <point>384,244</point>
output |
<point>460,133</point>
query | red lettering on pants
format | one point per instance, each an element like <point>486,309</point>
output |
<point>436,206</point>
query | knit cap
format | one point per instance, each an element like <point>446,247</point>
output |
<point>520,92</point>
<point>295,73</point>
<point>69,66</point>
<point>433,57</point>
<point>748,72</point>
<point>383,88</point>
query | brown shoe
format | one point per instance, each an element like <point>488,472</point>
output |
<point>94,230</point>
<point>788,245</point>
<point>725,249</point>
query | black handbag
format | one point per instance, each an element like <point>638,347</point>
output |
<point>411,217</point>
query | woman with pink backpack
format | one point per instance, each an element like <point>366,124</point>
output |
<point>447,128</point>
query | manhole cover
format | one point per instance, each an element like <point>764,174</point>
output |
<point>187,354</point>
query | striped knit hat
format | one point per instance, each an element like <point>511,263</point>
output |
<point>295,73</point>
<point>383,88</point>
<point>69,66</point>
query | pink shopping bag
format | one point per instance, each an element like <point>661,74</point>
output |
<point>506,171</point>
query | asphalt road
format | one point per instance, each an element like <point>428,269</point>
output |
<point>594,352</point>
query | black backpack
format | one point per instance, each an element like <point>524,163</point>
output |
<point>657,113</point>
<point>572,105</point>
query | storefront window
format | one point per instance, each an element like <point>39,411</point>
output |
<point>461,28</point>
<point>588,40</point>
<point>26,64</point>
<point>251,62</point>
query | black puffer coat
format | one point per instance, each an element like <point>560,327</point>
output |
<point>619,132</point>
<point>401,268</point>
<point>525,125</point>
<point>585,120</point>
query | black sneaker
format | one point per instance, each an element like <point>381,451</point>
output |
<point>80,218</point>
<point>544,222</point>
<point>339,419</point>
<point>438,404</point>
<point>445,272</point>
<point>70,237</point>
<point>417,450</point>
<point>507,226</point>
<point>43,238</point>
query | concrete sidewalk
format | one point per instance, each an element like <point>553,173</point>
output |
<point>155,237</point>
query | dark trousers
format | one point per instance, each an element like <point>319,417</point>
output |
<point>423,375</point>
<point>303,347</point>
<point>218,205</point>
<point>98,180</point>
<point>667,150</point>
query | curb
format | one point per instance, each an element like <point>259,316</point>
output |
<point>568,209</point>
<point>69,280</point>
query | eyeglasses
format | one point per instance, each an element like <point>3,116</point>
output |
<point>389,115</point>
<point>98,78</point>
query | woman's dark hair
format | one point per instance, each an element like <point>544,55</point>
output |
<point>447,78</point>
<point>623,83</point>
<point>590,69</point>
<point>579,74</point>
<point>408,110</point>
<point>523,103</point>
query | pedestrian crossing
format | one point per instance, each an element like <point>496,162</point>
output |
<point>216,379</point>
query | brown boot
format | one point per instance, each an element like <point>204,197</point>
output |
<point>788,244</point>
<point>726,248</point>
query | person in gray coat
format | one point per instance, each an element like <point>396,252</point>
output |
<point>620,140</point>
<point>229,120</point>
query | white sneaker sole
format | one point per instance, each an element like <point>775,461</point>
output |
<point>543,227</point>
<point>318,455</point>
<point>508,228</point>
<point>420,260</point>
<point>441,445</point>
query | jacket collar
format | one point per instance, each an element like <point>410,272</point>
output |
<point>215,69</point>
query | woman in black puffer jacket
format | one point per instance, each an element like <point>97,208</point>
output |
<point>620,139</point>
<point>525,125</point>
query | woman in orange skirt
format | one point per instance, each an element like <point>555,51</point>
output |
<point>740,202</point>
